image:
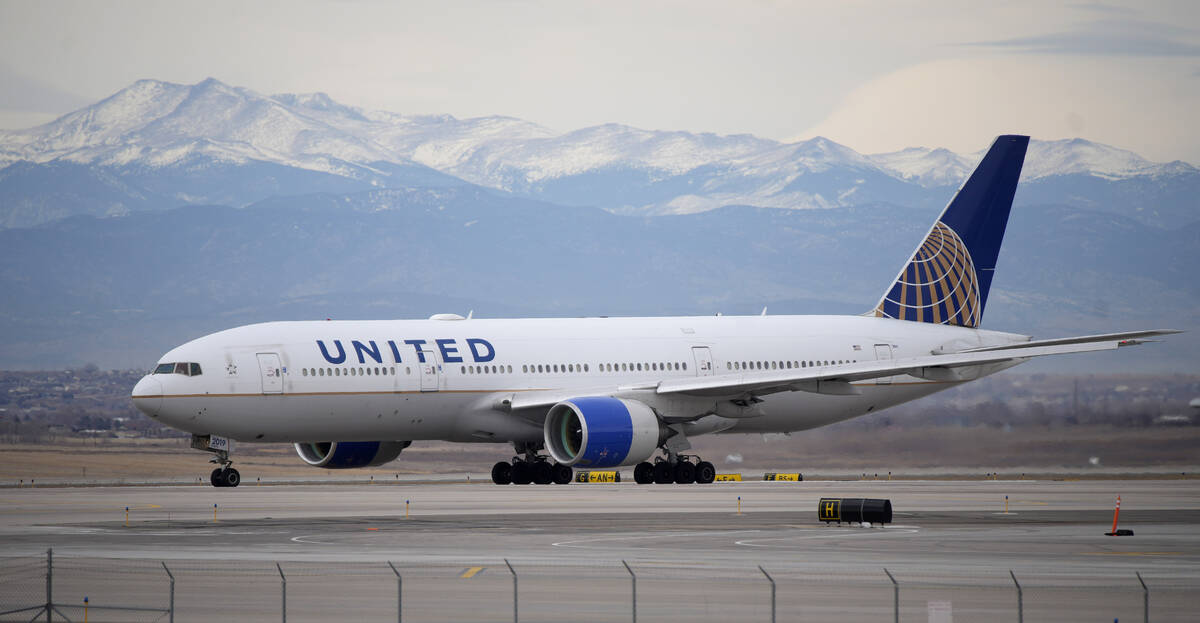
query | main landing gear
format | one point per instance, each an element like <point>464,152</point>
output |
<point>680,471</point>
<point>532,468</point>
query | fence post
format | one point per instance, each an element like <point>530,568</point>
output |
<point>1020,598</point>
<point>514,574</point>
<point>49,583</point>
<point>633,582</point>
<point>282,592</point>
<point>772,581</point>
<point>399,594</point>
<point>171,602</point>
<point>895,595</point>
<point>1145,598</point>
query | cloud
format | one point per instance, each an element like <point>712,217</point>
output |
<point>1100,7</point>
<point>1137,103</point>
<point>1096,43</point>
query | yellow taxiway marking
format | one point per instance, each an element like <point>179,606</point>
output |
<point>470,573</point>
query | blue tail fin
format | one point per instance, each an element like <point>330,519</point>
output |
<point>946,281</point>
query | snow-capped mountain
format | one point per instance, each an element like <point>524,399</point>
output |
<point>209,142</point>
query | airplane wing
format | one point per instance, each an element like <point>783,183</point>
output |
<point>838,379</point>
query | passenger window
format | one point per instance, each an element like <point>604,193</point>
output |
<point>408,370</point>
<point>685,365</point>
<point>585,367</point>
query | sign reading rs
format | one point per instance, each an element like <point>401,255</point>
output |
<point>481,351</point>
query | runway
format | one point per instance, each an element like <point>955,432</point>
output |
<point>949,534</point>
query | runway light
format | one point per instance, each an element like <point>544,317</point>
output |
<point>406,509</point>
<point>214,513</point>
<point>126,516</point>
<point>739,505</point>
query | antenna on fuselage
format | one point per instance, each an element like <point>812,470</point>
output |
<point>764,311</point>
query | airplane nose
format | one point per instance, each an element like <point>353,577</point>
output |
<point>147,395</point>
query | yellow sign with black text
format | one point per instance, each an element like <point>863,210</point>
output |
<point>593,477</point>
<point>728,478</point>
<point>783,477</point>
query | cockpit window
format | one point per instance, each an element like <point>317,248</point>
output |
<point>184,368</point>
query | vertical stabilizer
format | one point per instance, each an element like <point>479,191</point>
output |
<point>946,281</point>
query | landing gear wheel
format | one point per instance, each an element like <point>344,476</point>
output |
<point>232,477</point>
<point>542,473</point>
<point>216,479</point>
<point>562,474</point>
<point>643,473</point>
<point>502,473</point>
<point>663,473</point>
<point>705,473</point>
<point>522,473</point>
<point>685,473</point>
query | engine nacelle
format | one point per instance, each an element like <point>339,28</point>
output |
<point>601,431</point>
<point>349,454</point>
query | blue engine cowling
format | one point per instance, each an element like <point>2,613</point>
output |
<point>349,454</point>
<point>602,431</point>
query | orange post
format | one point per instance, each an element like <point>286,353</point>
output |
<point>1116,513</point>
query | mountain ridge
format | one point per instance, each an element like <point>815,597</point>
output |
<point>153,125</point>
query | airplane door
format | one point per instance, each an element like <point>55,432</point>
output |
<point>704,363</point>
<point>883,352</point>
<point>430,372</point>
<point>272,373</point>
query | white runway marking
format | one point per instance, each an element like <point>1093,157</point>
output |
<point>822,533</point>
<point>579,543</point>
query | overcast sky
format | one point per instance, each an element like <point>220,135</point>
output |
<point>874,76</point>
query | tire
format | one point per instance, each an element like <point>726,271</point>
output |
<point>563,474</point>
<point>705,472</point>
<point>643,473</point>
<point>502,473</point>
<point>522,473</point>
<point>685,473</point>
<point>663,473</point>
<point>542,473</point>
<point>216,479</point>
<point>233,478</point>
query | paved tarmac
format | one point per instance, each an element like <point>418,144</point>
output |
<point>951,541</point>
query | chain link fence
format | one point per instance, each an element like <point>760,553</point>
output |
<point>55,588</point>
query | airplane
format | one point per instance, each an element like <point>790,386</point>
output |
<point>598,393</point>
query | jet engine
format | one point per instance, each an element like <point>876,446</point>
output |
<point>601,431</point>
<point>349,454</point>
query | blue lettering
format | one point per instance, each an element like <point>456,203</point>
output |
<point>325,353</point>
<point>474,343</point>
<point>446,346</point>
<point>360,349</point>
<point>417,344</point>
<point>395,351</point>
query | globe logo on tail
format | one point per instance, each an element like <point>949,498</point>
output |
<point>939,284</point>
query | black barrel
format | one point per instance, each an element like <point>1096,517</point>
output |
<point>855,510</point>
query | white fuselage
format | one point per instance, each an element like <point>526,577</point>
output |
<point>274,382</point>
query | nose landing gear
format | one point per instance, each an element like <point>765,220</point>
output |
<point>224,475</point>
